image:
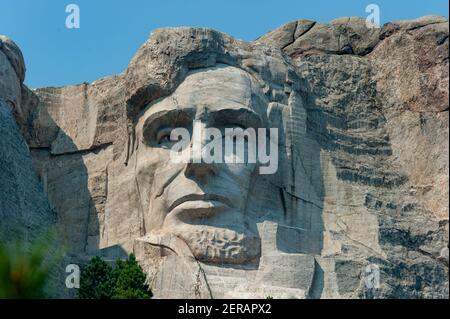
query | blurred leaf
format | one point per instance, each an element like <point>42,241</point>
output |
<point>26,269</point>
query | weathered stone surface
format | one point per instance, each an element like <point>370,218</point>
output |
<point>363,161</point>
<point>25,214</point>
<point>14,55</point>
<point>342,36</point>
<point>24,210</point>
<point>384,118</point>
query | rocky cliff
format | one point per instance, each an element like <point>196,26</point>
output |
<point>24,209</point>
<point>363,178</point>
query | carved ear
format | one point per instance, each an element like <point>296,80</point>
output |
<point>275,113</point>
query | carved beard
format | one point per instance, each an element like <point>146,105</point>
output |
<point>219,245</point>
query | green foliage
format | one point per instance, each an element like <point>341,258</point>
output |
<point>96,281</point>
<point>25,269</point>
<point>130,280</point>
<point>125,281</point>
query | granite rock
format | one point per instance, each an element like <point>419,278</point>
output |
<point>362,179</point>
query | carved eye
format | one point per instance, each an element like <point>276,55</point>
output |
<point>157,129</point>
<point>163,136</point>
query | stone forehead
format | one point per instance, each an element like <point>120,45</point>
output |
<point>215,88</point>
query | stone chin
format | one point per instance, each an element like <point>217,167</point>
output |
<point>211,244</point>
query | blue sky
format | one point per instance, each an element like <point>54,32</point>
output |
<point>111,31</point>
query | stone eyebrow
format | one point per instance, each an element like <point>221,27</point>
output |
<point>166,118</point>
<point>242,116</point>
<point>171,114</point>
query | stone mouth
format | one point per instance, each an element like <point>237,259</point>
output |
<point>200,202</point>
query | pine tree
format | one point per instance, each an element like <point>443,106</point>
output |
<point>125,281</point>
<point>130,280</point>
<point>96,281</point>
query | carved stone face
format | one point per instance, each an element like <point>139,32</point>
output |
<point>203,204</point>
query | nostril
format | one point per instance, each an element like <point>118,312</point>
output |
<point>200,170</point>
<point>188,170</point>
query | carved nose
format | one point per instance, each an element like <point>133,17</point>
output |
<point>200,170</point>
